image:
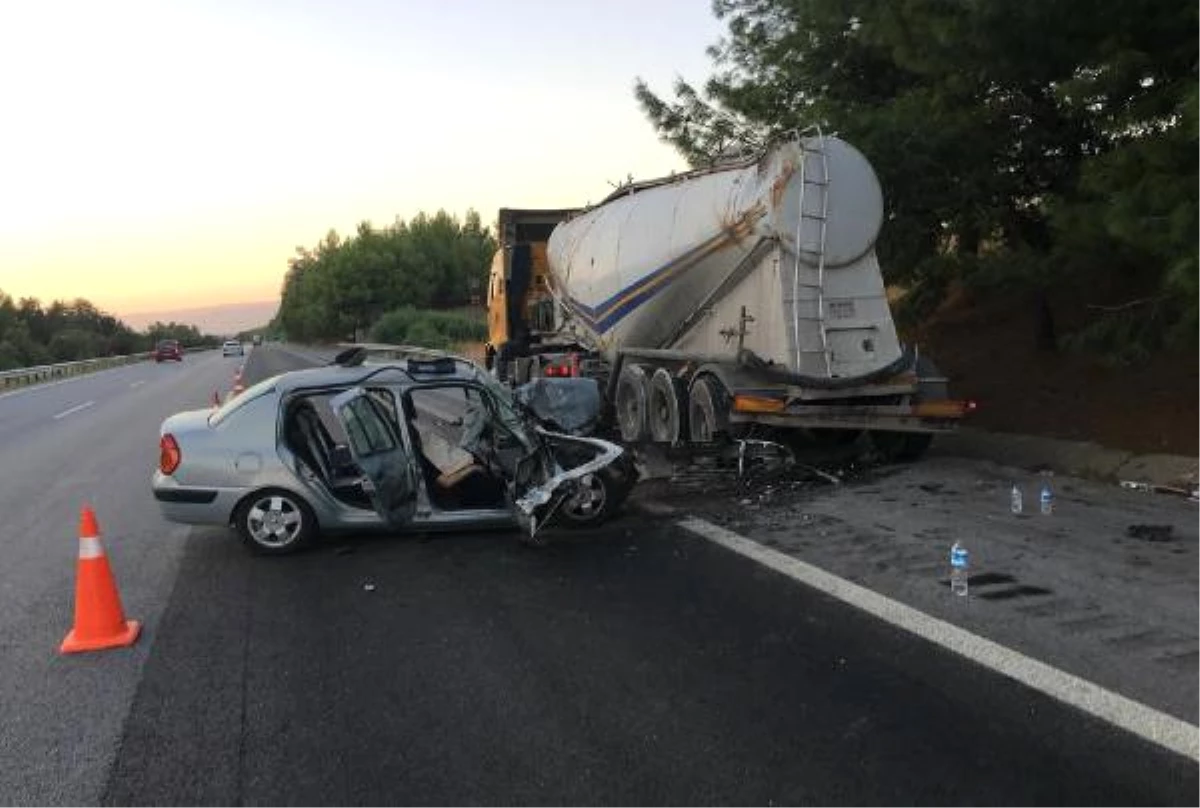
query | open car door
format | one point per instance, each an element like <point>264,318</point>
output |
<point>379,451</point>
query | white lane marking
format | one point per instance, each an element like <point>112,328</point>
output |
<point>74,409</point>
<point>1165,730</point>
<point>138,384</point>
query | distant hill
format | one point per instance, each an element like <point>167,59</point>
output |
<point>228,319</point>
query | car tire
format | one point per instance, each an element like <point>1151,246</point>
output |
<point>600,497</point>
<point>275,522</point>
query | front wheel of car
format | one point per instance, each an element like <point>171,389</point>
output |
<point>598,496</point>
<point>275,522</point>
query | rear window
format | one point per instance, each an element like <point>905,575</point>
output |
<point>263,388</point>
<point>167,344</point>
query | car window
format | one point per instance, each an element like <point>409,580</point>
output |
<point>265,387</point>
<point>366,428</point>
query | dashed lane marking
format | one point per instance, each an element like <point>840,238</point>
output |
<point>138,384</point>
<point>1165,730</point>
<point>74,409</point>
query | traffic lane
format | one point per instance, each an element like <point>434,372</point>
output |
<point>1073,589</point>
<point>33,408</point>
<point>62,715</point>
<point>634,664</point>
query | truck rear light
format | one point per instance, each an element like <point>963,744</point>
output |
<point>560,371</point>
<point>169,456</point>
<point>743,403</point>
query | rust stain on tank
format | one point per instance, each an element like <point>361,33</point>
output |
<point>781,182</point>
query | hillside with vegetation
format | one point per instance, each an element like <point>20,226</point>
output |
<point>31,334</point>
<point>1039,168</point>
<point>398,284</point>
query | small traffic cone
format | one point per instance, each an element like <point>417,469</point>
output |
<point>99,620</point>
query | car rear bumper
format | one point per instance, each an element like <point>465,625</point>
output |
<point>194,505</point>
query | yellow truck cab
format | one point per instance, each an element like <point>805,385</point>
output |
<point>519,303</point>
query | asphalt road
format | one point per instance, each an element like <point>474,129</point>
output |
<point>89,439</point>
<point>632,664</point>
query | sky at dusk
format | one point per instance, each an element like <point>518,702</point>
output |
<point>169,154</point>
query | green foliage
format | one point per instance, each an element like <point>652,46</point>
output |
<point>338,289</point>
<point>66,332</point>
<point>1049,144</point>
<point>427,329</point>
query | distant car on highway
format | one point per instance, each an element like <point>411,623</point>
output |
<point>421,443</point>
<point>258,340</point>
<point>168,349</point>
<point>232,347</point>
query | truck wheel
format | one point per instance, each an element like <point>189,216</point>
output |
<point>901,447</point>
<point>708,409</point>
<point>665,410</point>
<point>630,403</point>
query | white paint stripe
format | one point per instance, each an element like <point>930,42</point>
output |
<point>74,409</point>
<point>89,547</point>
<point>138,384</point>
<point>1157,727</point>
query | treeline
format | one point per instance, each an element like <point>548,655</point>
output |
<point>1041,151</point>
<point>66,332</point>
<point>342,287</point>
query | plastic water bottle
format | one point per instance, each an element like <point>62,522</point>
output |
<point>1017,505</point>
<point>1046,499</point>
<point>959,569</point>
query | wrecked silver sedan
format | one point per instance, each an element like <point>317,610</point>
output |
<point>416,444</point>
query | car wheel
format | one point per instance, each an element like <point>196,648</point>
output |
<point>275,522</point>
<point>598,496</point>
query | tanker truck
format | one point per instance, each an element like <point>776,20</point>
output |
<point>723,302</point>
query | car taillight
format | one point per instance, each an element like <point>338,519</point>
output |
<point>169,455</point>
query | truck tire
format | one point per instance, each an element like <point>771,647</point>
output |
<point>665,407</point>
<point>630,403</point>
<point>708,409</point>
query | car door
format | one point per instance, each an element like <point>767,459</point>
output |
<point>377,448</point>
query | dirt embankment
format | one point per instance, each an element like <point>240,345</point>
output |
<point>990,352</point>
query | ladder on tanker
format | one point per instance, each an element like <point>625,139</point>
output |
<point>815,252</point>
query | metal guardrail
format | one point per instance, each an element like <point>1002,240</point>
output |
<point>22,377</point>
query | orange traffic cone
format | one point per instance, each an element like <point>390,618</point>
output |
<point>99,620</point>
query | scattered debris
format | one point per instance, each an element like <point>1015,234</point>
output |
<point>1152,488</point>
<point>1151,533</point>
<point>368,587</point>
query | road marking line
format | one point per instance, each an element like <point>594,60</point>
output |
<point>74,410</point>
<point>1158,727</point>
<point>138,384</point>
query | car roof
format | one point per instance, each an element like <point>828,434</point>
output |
<point>389,371</point>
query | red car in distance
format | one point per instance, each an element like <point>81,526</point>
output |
<point>168,349</point>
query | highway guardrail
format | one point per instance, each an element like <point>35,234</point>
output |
<point>21,377</point>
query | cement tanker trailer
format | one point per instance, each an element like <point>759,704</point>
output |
<point>721,301</point>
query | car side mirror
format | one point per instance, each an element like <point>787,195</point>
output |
<point>340,456</point>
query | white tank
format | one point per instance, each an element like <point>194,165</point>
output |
<point>671,263</point>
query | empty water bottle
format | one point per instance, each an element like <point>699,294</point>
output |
<point>1046,499</point>
<point>1015,499</point>
<point>959,569</point>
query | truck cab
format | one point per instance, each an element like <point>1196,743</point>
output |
<point>519,303</point>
